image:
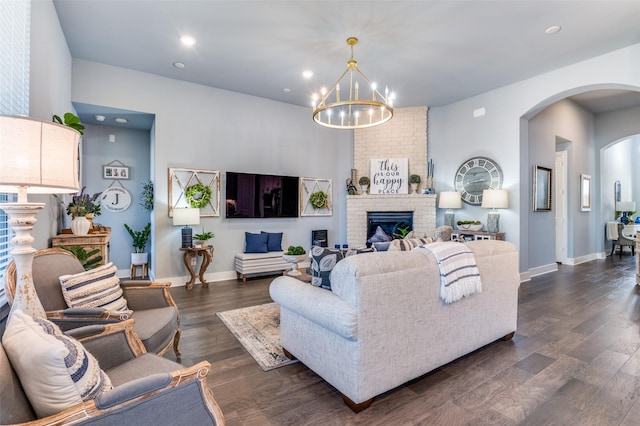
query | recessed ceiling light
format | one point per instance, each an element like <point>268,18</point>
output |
<point>178,65</point>
<point>99,117</point>
<point>286,90</point>
<point>121,120</point>
<point>553,29</point>
<point>187,40</point>
<point>307,74</point>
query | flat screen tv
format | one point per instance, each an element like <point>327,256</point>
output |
<point>251,195</point>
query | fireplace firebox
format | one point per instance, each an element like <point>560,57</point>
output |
<point>394,224</point>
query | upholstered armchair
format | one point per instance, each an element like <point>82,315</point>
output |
<point>623,241</point>
<point>145,389</point>
<point>157,320</point>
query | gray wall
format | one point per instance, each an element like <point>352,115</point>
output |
<point>207,128</point>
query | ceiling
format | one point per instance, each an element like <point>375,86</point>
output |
<point>427,52</point>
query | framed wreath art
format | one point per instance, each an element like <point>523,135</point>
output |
<point>196,188</point>
<point>315,197</point>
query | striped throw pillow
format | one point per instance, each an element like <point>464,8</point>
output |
<point>95,288</point>
<point>55,370</point>
<point>407,245</point>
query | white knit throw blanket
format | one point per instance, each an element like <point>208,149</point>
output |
<point>459,274</point>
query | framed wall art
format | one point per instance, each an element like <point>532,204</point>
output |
<point>316,198</point>
<point>196,188</point>
<point>585,193</point>
<point>389,176</point>
<point>541,189</point>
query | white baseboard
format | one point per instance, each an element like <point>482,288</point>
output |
<point>544,269</point>
<point>582,259</point>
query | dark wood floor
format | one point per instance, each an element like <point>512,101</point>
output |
<point>575,360</point>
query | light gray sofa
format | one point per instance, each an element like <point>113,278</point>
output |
<point>383,323</point>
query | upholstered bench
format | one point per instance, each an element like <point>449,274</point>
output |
<point>262,264</point>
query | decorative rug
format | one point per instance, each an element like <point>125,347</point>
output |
<point>257,328</point>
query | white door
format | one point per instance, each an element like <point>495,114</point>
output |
<point>560,196</point>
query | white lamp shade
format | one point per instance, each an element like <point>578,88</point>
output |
<point>41,156</point>
<point>625,206</point>
<point>186,216</point>
<point>450,200</point>
<point>495,199</point>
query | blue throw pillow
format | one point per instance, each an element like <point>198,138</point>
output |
<point>322,262</point>
<point>274,240</point>
<point>255,243</point>
<point>379,236</point>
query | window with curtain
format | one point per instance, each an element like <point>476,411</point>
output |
<point>15,23</point>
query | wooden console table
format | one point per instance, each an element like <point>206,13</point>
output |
<point>190,253</point>
<point>89,242</point>
<point>477,235</point>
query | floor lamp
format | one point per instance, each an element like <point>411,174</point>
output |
<point>449,200</point>
<point>40,158</point>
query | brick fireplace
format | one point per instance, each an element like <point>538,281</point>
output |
<point>422,206</point>
<point>405,136</point>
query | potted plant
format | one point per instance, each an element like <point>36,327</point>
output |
<point>294,255</point>
<point>83,208</point>
<point>414,181</point>
<point>70,120</point>
<point>364,184</point>
<point>140,240</point>
<point>203,238</point>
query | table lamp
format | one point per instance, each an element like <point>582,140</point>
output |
<point>40,158</point>
<point>494,199</point>
<point>449,200</point>
<point>625,207</point>
<point>187,216</point>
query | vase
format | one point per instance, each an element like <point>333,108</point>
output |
<point>363,189</point>
<point>414,187</point>
<point>80,225</point>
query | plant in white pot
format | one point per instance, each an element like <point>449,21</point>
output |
<point>364,184</point>
<point>140,240</point>
<point>414,182</point>
<point>203,238</point>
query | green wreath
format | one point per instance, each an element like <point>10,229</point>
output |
<point>319,199</point>
<point>198,195</point>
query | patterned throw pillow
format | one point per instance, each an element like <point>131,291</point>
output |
<point>407,245</point>
<point>95,288</point>
<point>55,370</point>
<point>322,262</point>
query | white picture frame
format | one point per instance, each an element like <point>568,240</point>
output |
<point>389,176</point>
<point>310,186</point>
<point>180,180</point>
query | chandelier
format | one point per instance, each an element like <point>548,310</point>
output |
<point>345,109</point>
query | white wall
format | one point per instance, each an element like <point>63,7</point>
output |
<point>500,133</point>
<point>49,94</point>
<point>203,127</point>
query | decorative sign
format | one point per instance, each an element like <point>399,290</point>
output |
<point>115,199</point>
<point>389,176</point>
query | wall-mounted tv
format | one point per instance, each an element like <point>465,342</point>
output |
<point>251,195</point>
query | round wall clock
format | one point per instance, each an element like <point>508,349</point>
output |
<point>115,199</point>
<point>474,176</point>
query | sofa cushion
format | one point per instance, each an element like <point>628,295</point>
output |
<point>95,288</point>
<point>379,236</point>
<point>410,244</point>
<point>322,262</point>
<point>55,370</point>
<point>274,240</point>
<point>256,243</point>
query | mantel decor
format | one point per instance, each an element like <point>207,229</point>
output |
<point>342,107</point>
<point>389,176</point>
<point>195,188</point>
<point>315,197</point>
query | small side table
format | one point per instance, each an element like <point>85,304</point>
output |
<point>207,255</point>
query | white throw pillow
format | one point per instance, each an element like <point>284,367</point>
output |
<point>55,370</point>
<point>95,288</point>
